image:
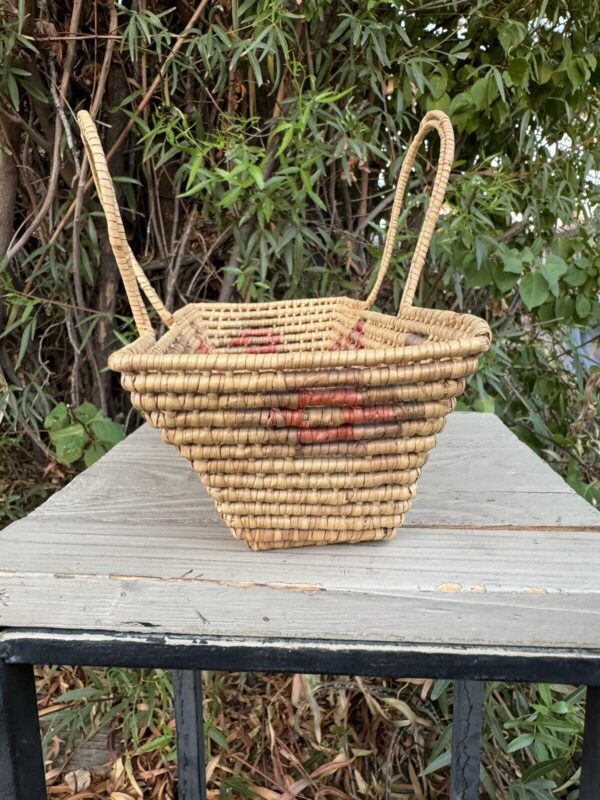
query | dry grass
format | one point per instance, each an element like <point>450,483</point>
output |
<point>110,735</point>
<point>275,737</point>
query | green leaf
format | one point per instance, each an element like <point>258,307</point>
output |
<point>92,453</point>
<point>576,276</point>
<point>503,278</point>
<point>518,69</point>
<point>511,34</point>
<point>267,208</point>
<point>553,268</point>
<point>231,196</point>
<point>461,103</point>
<point>578,72</point>
<point>564,308</point>
<point>522,741</point>
<point>485,404</point>
<point>583,306</point>
<point>107,431</point>
<point>78,694</point>
<point>443,760</point>
<point>479,93</point>
<point>13,89</point>
<point>34,90</point>
<point>542,769</point>
<point>155,744</point>
<point>74,433</point>
<point>217,737</point>
<point>27,336</point>
<point>256,173</point>
<point>545,72</point>
<point>287,138</point>
<point>57,418</point>
<point>255,68</point>
<point>86,412</point>
<point>499,83</point>
<point>69,443</point>
<point>512,262</point>
<point>438,84</point>
<point>439,687</point>
<point>533,290</point>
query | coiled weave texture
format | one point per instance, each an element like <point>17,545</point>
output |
<point>308,421</point>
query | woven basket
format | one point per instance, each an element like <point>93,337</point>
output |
<point>308,421</point>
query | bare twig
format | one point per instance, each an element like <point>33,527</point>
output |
<point>95,105</point>
<point>50,194</point>
<point>16,119</point>
<point>214,246</point>
<point>75,397</point>
<point>58,104</point>
<point>55,169</point>
<point>81,37</point>
<point>179,42</point>
<point>174,273</point>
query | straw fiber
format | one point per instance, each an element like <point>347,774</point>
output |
<point>308,421</point>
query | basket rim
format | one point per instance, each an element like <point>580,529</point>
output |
<point>473,337</point>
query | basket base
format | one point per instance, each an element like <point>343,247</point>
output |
<point>285,539</point>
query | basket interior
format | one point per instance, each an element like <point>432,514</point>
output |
<point>285,327</point>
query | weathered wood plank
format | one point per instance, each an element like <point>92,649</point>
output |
<point>479,475</point>
<point>499,550</point>
<point>201,607</point>
<point>428,560</point>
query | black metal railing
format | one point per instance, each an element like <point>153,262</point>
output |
<point>22,767</point>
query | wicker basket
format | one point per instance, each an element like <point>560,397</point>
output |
<point>308,421</point>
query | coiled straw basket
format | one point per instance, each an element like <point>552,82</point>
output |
<point>308,421</point>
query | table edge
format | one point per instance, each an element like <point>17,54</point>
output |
<point>258,654</point>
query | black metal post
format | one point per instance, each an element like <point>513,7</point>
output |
<point>22,775</point>
<point>187,702</point>
<point>590,759</point>
<point>466,739</point>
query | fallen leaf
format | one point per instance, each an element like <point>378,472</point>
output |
<point>78,780</point>
<point>265,794</point>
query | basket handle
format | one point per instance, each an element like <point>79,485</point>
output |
<point>434,120</point>
<point>132,274</point>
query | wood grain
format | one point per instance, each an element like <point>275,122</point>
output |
<point>497,550</point>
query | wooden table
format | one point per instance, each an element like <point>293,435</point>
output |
<point>496,576</point>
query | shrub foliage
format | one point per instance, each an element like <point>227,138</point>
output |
<point>255,145</point>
